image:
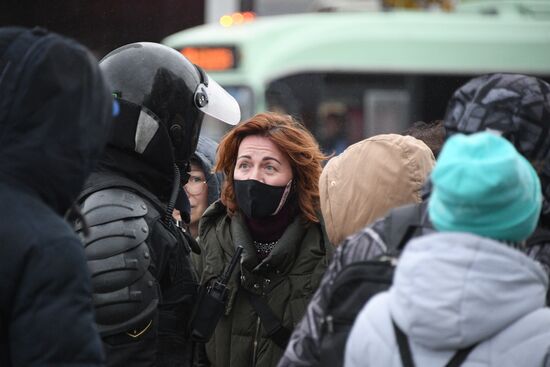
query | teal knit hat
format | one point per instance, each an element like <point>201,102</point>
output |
<point>482,185</point>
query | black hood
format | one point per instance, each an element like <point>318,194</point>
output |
<point>515,105</point>
<point>140,148</point>
<point>55,112</point>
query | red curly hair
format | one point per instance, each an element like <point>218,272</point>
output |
<point>292,139</point>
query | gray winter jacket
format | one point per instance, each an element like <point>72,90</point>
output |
<point>451,291</point>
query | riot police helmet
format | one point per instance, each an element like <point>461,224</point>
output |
<point>177,93</point>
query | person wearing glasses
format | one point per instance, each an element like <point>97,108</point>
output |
<point>203,186</point>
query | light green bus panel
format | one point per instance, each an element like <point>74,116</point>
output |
<point>352,75</point>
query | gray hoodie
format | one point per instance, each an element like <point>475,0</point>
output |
<point>206,156</point>
<point>453,290</point>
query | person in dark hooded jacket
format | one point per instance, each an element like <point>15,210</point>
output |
<point>55,111</point>
<point>513,105</point>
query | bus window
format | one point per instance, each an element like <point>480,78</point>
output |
<point>343,108</point>
<point>244,97</point>
<point>386,111</point>
<point>215,129</point>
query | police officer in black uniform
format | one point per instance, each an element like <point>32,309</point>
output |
<point>143,282</point>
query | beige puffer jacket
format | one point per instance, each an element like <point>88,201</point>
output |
<point>369,178</point>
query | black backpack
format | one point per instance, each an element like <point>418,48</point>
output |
<point>540,238</point>
<point>357,282</point>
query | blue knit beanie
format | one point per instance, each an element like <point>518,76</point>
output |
<point>482,185</point>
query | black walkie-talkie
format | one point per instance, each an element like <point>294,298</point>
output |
<point>210,305</point>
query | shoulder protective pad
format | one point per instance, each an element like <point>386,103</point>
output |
<point>125,292</point>
<point>112,204</point>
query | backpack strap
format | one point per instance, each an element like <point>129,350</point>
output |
<point>403,345</point>
<point>272,324</point>
<point>460,356</point>
<point>402,224</point>
<point>406,356</point>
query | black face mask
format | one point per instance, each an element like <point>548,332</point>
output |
<point>259,200</point>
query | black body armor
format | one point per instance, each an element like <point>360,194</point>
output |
<point>144,286</point>
<point>119,259</point>
<point>143,282</point>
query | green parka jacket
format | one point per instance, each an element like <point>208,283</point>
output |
<point>286,281</point>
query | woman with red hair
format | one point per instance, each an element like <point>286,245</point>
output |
<point>270,206</point>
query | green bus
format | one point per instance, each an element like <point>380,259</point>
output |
<point>357,74</point>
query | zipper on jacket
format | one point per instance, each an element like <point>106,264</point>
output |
<point>255,342</point>
<point>330,323</point>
